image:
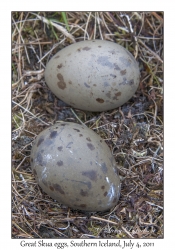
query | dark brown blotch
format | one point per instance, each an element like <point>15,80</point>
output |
<point>61,84</point>
<point>116,96</point>
<point>60,66</point>
<point>100,100</point>
<point>123,72</point>
<point>88,139</point>
<point>99,46</point>
<point>102,187</point>
<point>58,188</point>
<point>60,148</point>
<point>80,135</point>
<point>91,174</point>
<point>60,163</point>
<point>90,146</point>
<point>40,141</point>
<point>53,134</point>
<point>51,188</point>
<point>76,129</point>
<point>86,48</point>
<point>105,194</point>
<point>83,193</point>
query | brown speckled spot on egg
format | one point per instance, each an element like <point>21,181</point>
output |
<point>123,72</point>
<point>99,46</point>
<point>88,139</point>
<point>91,174</point>
<point>102,187</point>
<point>83,193</point>
<point>40,141</point>
<point>80,135</point>
<point>99,100</point>
<point>90,146</point>
<point>94,85</point>
<point>105,193</point>
<point>60,66</point>
<point>58,188</point>
<point>63,124</point>
<point>51,188</point>
<point>76,129</point>
<point>56,57</point>
<point>100,202</point>
<point>116,96</point>
<point>60,163</point>
<point>60,148</point>
<point>53,134</point>
<point>86,48</point>
<point>70,82</point>
<point>61,84</point>
<point>31,159</point>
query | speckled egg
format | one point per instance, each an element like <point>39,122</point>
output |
<point>74,166</point>
<point>94,75</point>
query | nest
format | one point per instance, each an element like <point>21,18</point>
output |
<point>133,132</point>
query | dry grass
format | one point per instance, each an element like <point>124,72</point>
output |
<point>134,132</point>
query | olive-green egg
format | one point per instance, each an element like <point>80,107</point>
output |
<point>95,75</point>
<point>74,166</point>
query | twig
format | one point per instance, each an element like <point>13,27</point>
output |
<point>30,113</point>
<point>152,52</point>
<point>78,118</point>
<point>111,222</point>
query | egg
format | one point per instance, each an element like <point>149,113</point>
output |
<point>95,75</point>
<point>74,166</point>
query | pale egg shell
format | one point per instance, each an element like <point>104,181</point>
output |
<point>74,166</point>
<point>94,75</point>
